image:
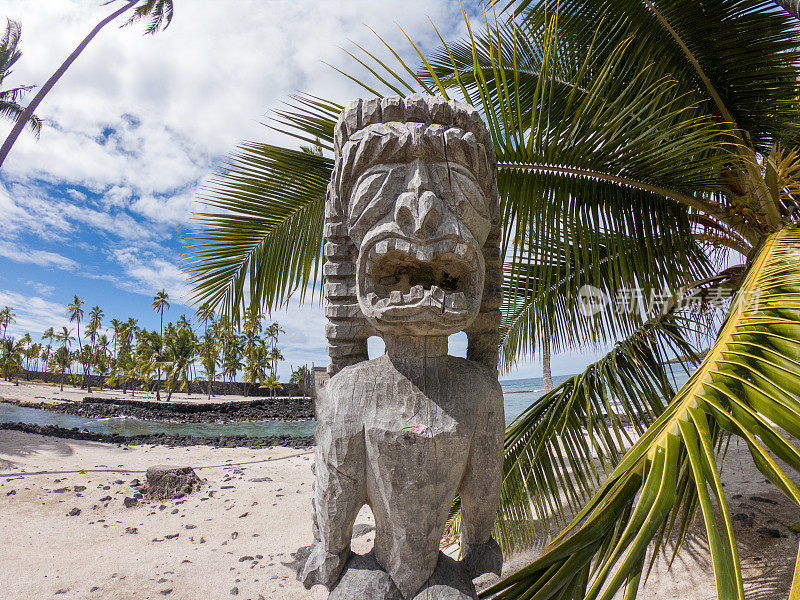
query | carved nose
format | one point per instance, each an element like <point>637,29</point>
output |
<point>429,214</point>
<point>419,209</point>
<point>418,215</point>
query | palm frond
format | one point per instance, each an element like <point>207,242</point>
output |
<point>157,13</point>
<point>262,240</point>
<point>747,386</point>
<point>742,55</point>
<point>12,111</point>
<point>545,277</point>
<point>9,48</point>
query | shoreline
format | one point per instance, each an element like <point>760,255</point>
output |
<point>163,439</point>
<point>262,409</point>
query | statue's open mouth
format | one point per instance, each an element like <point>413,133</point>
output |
<point>402,278</point>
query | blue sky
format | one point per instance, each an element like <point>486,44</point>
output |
<point>100,205</point>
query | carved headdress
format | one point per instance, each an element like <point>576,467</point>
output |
<point>464,140</point>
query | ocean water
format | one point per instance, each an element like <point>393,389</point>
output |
<point>129,426</point>
<point>518,394</point>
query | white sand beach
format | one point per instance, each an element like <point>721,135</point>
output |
<point>49,393</point>
<point>239,536</point>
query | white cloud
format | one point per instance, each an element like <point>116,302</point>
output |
<point>155,113</point>
<point>34,314</point>
<point>170,210</point>
<point>41,288</point>
<point>42,258</point>
<point>145,272</point>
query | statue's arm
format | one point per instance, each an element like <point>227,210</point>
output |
<point>338,493</point>
<point>480,489</point>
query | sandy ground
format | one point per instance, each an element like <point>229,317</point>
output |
<point>239,535</point>
<point>47,393</point>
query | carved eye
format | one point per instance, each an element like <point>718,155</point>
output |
<point>365,191</point>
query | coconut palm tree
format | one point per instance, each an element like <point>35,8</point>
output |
<point>95,322</point>
<point>62,359</point>
<point>11,356</point>
<point>158,14</point>
<point>148,360</point>
<point>643,146</point>
<point>25,344</point>
<point>180,350</point>
<point>75,313</point>
<point>210,359</point>
<point>116,324</point>
<point>32,354</point>
<point>209,350</point>
<point>7,317</point>
<point>64,337</point>
<point>271,384</point>
<point>160,302</point>
<point>48,335</point>
<point>9,99</point>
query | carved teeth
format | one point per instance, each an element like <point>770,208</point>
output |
<point>460,250</point>
<point>425,253</point>
<point>372,298</point>
<point>458,300</point>
<point>396,297</point>
<point>382,247</point>
<point>437,294</point>
<point>403,246</point>
<point>417,292</point>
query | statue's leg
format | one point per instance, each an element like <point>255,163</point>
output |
<point>339,493</point>
<point>480,492</point>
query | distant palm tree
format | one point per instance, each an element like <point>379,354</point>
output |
<point>180,349</point>
<point>95,321</point>
<point>208,346</point>
<point>48,335</point>
<point>62,358</point>
<point>271,383</point>
<point>160,302</point>
<point>101,358</point>
<point>25,345</point>
<point>9,54</point>
<point>75,313</point>
<point>11,358</point>
<point>210,358</point>
<point>64,337</point>
<point>116,324</point>
<point>158,12</point>
<point>6,318</point>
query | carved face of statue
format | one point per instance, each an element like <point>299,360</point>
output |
<point>417,211</point>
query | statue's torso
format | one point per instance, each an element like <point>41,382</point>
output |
<point>417,418</point>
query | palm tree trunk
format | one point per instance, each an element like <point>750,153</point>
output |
<point>25,116</point>
<point>546,377</point>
